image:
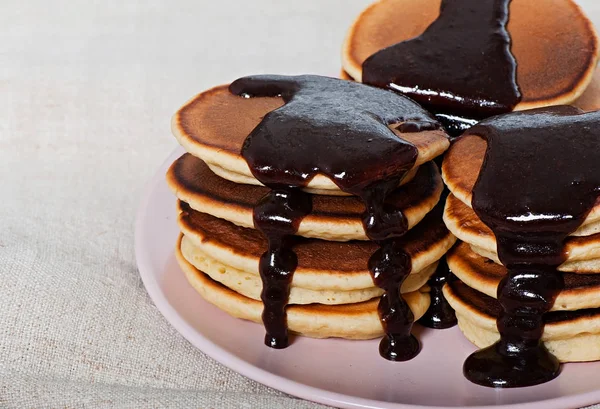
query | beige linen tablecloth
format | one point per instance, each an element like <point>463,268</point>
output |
<point>87,90</point>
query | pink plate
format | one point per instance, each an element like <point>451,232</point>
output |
<point>336,372</point>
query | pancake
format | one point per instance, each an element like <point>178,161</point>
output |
<point>581,291</point>
<point>322,265</point>
<point>582,252</point>
<point>571,336</point>
<point>332,218</point>
<point>590,99</point>
<point>243,179</point>
<point>553,42</point>
<point>352,321</point>
<point>345,76</point>
<point>461,167</point>
<point>250,285</point>
<point>214,125</point>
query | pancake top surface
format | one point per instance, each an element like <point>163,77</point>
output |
<point>553,42</point>
<point>313,254</point>
<point>539,180</point>
<point>215,124</point>
<point>330,126</point>
<point>464,160</point>
<point>442,68</point>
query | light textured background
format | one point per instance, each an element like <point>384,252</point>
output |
<point>87,89</point>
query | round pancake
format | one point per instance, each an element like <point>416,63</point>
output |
<point>581,290</point>
<point>571,336</point>
<point>250,285</point>
<point>462,221</point>
<point>553,42</point>
<point>322,265</point>
<point>461,167</point>
<point>332,218</point>
<point>214,125</point>
<point>352,321</point>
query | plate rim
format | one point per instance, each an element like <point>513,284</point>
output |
<point>283,384</point>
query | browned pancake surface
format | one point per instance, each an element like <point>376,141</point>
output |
<point>313,254</point>
<point>491,307</point>
<point>491,273</point>
<point>553,42</point>
<point>193,176</point>
<point>220,120</point>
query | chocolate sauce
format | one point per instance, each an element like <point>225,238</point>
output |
<point>455,125</point>
<point>277,216</point>
<point>461,66</point>
<point>539,180</point>
<point>340,129</point>
<point>440,314</point>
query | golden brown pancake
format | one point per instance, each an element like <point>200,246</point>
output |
<point>482,274</point>
<point>322,265</point>
<point>345,76</point>
<point>583,252</point>
<point>553,42</point>
<point>571,336</point>
<point>332,217</point>
<point>590,99</point>
<point>250,284</point>
<point>461,167</point>
<point>214,125</point>
<point>352,321</point>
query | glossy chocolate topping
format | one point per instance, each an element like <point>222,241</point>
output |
<point>454,125</point>
<point>340,129</point>
<point>460,65</point>
<point>539,180</point>
<point>329,126</point>
<point>440,314</point>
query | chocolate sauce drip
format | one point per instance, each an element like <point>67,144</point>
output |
<point>389,267</point>
<point>440,314</point>
<point>460,65</point>
<point>340,129</point>
<point>539,180</point>
<point>278,216</point>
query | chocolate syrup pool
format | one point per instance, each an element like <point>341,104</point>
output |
<point>539,180</point>
<point>460,67</point>
<point>339,129</point>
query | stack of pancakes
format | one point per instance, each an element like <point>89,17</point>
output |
<point>553,42</point>
<point>572,331</point>
<point>555,47</point>
<point>332,291</point>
